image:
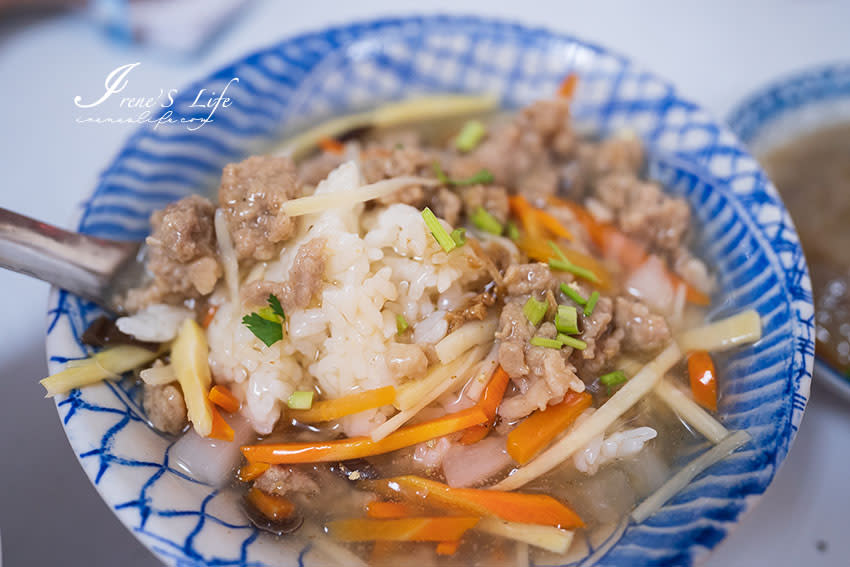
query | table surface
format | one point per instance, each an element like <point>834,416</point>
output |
<point>716,52</point>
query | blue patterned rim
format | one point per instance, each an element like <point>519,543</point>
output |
<point>814,87</point>
<point>746,234</point>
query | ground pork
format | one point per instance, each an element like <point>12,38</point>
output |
<point>315,169</point>
<point>305,279</point>
<point>527,278</point>
<point>644,212</point>
<point>406,361</point>
<point>281,480</point>
<point>251,194</point>
<point>165,407</point>
<point>492,198</point>
<point>644,331</point>
<point>181,252</point>
<point>446,205</point>
<point>379,161</point>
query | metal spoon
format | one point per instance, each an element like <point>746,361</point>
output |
<point>97,269</point>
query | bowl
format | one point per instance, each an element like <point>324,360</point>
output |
<point>746,234</point>
<point>785,109</point>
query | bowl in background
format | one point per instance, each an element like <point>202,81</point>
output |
<point>745,234</point>
<point>787,109</point>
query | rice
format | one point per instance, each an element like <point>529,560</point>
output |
<point>379,264</point>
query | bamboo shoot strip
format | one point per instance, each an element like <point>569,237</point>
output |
<point>681,479</point>
<point>549,538</point>
<point>690,411</point>
<point>740,329</point>
<point>627,396</point>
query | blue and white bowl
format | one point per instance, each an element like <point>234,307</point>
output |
<point>786,109</point>
<point>745,234</point>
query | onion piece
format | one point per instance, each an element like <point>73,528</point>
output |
<point>596,424</point>
<point>549,538</point>
<point>211,460</point>
<point>469,335</point>
<point>681,479</point>
<point>468,465</point>
<point>690,411</point>
<point>740,329</point>
<point>651,283</point>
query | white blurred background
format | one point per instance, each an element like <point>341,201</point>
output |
<point>716,52</point>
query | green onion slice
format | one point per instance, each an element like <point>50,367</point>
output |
<point>470,136</point>
<point>546,343</point>
<point>300,400</point>
<point>485,221</point>
<point>401,324</point>
<point>459,236</point>
<point>535,310</point>
<point>443,238</point>
<point>566,320</point>
<point>512,231</point>
<point>573,294</point>
<point>573,342</point>
<point>591,303</point>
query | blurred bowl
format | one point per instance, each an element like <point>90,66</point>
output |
<point>785,110</point>
<point>746,235</point>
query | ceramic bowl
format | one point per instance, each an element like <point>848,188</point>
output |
<point>788,108</point>
<point>745,234</point>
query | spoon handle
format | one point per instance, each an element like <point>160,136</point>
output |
<point>81,264</point>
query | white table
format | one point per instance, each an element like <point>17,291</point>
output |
<point>716,52</point>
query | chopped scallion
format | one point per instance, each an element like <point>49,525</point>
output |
<point>613,379</point>
<point>535,310</point>
<point>443,238</point>
<point>591,303</point>
<point>559,265</point>
<point>300,400</point>
<point>401,324</point>
<point>485,221</point>
<point>573,342</point>
<point>512,231</point>
<point>557,250</point>
<point>470,136</point>
<point>563,264</point>
<point>482,176</point>
<point>566,319</point>
<point>459,236</point>
<point>573,294</point>
<point>546,343</point>
<point>441,175</point>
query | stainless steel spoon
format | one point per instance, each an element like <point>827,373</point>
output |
<point>97,269</point>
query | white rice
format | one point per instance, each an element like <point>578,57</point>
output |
<point>605,448</point>
<point>379,264</point>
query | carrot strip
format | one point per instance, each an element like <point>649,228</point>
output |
<point>553,225</point>
<point>448,528</point>
<point>223,398</point>
<point>358,447</point>
<point>624,250</point>
<point>509,506</point>
<point>447,547</point>
<point>568,86</point>
<point>209,315</point>
<point>388,510</point>
<point>327,410</point>
<point>220,428</point>
<point>331,146</point>
<point>703,378</point>
<point>490,401</point>
<point>523,210</point>
<point>271,506</point>
<point>252,471</point>
<point>540,428</point>
<point>541,251</point>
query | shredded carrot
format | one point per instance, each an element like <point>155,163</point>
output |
<point>326,410</point>
<point>553,225</point>
<point>438,529</point>
<point>386,510</point>
<point>447,547</point>
<point>331,146</point>
<point>703,378</point>
<point>619,247</point>
<point>223,398</point>
<point>252,471</point>
<point>209,315</point>
<point>490,401</point>
<point>540,428</point>
<point>523,210</point>
<point>220,428</point>
<point>568,86</point>
<point>509,506</point>
<point>271,506</point>
<point>358,447</point>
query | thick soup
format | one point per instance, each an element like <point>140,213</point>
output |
<point>813,175</point>
<point>480,348</point>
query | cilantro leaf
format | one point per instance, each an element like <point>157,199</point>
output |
<point>274,302</point>
<point>267,331</point>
